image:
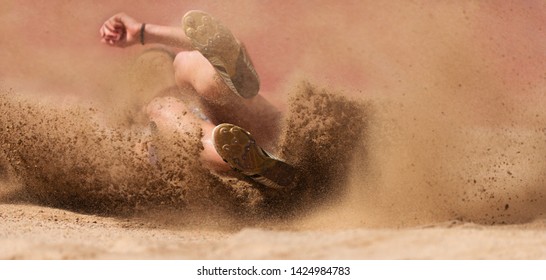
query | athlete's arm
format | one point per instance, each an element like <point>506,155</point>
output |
<point>122,31</point>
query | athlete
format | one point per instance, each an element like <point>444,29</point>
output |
<point>214,66</point>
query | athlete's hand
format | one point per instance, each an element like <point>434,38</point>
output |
<point>120,30</point>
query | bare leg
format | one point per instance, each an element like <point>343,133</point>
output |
<point>259,116</point>
<point>232,143</point>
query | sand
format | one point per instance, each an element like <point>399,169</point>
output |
<point>414,143</point>
<point>31,232</point>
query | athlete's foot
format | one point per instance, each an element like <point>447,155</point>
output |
<point>226,54</point>
<point>241,152</point>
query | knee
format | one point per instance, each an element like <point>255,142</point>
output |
<point>183,58</point>
<point>184,65</point>
<point>191,68</point>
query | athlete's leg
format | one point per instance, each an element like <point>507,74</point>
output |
<point>194,72</point>
<point>226,85</point>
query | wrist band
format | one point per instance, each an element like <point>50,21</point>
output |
<point>142,27</point>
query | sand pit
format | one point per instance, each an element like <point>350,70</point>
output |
<point>32,232</point>
<point>431,149</point>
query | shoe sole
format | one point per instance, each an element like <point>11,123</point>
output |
<point>239,150</point>
<point>227,55</point>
